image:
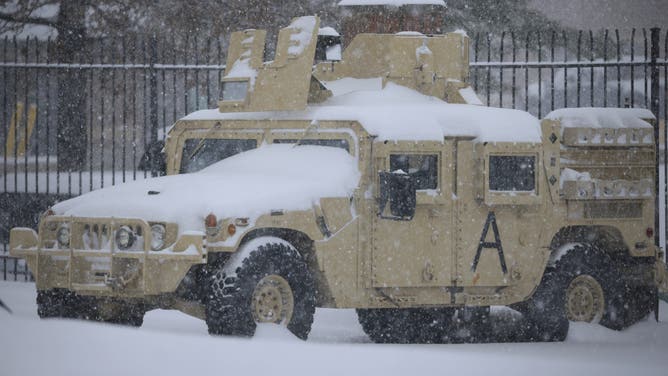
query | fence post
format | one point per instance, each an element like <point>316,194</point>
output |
<point>654,107</point>
<point>153,100</point>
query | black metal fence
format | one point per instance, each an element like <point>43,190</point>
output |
<point>135,88</point>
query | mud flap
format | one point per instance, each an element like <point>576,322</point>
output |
<point>661,291</point>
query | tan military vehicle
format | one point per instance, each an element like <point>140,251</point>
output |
<point>353,184</point>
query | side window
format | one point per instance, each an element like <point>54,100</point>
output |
<point>512,173</point>
<point>199,153</point>
<point>422,167</point>
<point>336,143</point>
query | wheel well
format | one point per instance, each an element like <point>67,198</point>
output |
<point>306,248</point>
<point>606,238</point>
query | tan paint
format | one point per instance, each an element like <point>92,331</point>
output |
<point>359,259</point>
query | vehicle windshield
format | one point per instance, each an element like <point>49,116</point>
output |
<point>199,153</point>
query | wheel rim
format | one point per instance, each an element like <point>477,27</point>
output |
<point>273,301</point>
<point>584,299</point>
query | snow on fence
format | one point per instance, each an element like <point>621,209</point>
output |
<point>129,90</point>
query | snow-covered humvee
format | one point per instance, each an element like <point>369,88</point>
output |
<point>353,184</point>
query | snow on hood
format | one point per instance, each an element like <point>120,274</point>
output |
<point>249,184</point>
<point>399,113</point>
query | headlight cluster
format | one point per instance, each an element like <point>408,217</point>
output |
<point>63,236</point>
<point>157,237</point>
<point>125,237</point>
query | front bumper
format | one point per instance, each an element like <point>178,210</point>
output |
<point>91,264</point>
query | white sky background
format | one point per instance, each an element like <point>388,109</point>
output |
<point>601,14</point>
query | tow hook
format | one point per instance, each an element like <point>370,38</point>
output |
<point>118,283</point>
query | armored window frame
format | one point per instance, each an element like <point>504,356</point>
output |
<point>422,167</point>
<point>232,90</point>
<point>512,173</point>
<point>244,144</point>
<point>329,142</point>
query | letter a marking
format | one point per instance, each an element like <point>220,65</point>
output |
<point>491,219</point>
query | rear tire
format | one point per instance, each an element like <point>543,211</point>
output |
<point>273,272</point>
<point>594,291</point>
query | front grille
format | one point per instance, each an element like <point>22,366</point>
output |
<point>93,234</point>
<point>612,209</point>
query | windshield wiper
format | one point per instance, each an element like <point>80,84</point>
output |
<point>198,148</point>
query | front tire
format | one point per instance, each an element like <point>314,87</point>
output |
<point>272,285</point>
<point>545,311</point>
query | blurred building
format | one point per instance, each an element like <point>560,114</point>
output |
<point>391,16</point>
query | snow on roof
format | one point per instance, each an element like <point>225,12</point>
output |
<point>599,117</point>
<point>399,113</point>
<point>234,187</point>
<point>396,3</point>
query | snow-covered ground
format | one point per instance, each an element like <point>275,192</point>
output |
<point>171,343</point>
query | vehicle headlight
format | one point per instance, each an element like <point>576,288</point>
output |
<point>125,237</point>
<point>157,237</point>
<point>63,236</point>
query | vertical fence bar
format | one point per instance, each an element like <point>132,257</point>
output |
<point>526,73</point>
<point>665,142</point>
<point>196,41</point>
<point>552,39</point>
<point>113,113</point>
<point>633,37</point>
<point>489,70</point>
<point>591,70</point>
<point>48,112</point>
<point>37,108</point>
<point>578,57</point>
<point>145,89</point>
<point>5,114</point>
<point>220,71</point>
<point>185,74</point>
<point>174,96</point>
<point>102,89</point>
<point>208,73</point>
<point>605,68</point>
<point>475,59</point>
<point>619,69</point>
<point>16,115</point>
<point>134,109</point>
<point>514,71</point>
<point>124,114</point>
<point>647,57</point>
<point>654,71</point>
<point>163,89</point>
<point>91,127</point>
<point>540,74</point>
<point>26,101</point>
<point>153,97</point>
<point>501,59</point>
<point>565,36</point>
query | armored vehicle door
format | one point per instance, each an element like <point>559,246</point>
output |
<point>413,249</point>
